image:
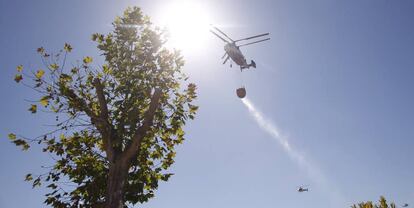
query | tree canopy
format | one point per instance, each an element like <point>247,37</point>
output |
<point>117,123</point>
<point>382,204</point>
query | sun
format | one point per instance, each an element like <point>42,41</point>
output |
<point>187,23</point>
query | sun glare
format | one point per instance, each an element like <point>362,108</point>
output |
<point>188,24</point>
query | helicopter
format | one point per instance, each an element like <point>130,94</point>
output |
<point>301,189</point>
<point>405,205</point>
<point>232,50</point>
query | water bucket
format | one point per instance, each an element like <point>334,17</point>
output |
<point>241,92</point>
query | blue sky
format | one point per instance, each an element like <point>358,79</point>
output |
<point>335,79</point>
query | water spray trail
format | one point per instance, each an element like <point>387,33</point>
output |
<point>311,170</point>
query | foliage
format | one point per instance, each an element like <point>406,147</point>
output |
<point>369,204</point>
<point>127,114</point>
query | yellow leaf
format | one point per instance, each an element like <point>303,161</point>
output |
<point>40,73</point>
<point>54,66</point>
<point>44,101</point>
<point>87,60</point>
<point>19,68</point>
<point>12,136</point>
<point>33,108</point>
<point>18,78</point>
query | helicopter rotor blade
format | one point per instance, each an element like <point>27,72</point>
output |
<point>223,33</point>
<point>219,36</point>
<point>254,42</point>
<point>256,36</point>
<point>302,186</point>
<point>224,55</point>
<point>227,58</point>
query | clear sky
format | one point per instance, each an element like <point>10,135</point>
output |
<point>336,81</point>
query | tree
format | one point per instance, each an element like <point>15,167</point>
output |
<point>117,124</point>
<point>369,204</point>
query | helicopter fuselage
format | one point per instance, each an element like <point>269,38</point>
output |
<point>236,55</point>
<point>302,189</point>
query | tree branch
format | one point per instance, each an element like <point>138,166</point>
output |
<point>140,133</point>
<point>101,99</point>
<point>78,103</point>
<point>104,118</point>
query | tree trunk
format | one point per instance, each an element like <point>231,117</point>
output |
<point>117,177</point>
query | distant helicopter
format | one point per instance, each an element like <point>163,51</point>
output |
<point>405,205</point>
<point>233,51</point>
<point>301,189</point>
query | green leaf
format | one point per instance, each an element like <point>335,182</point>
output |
<point>12,136</point>
<point>54,66</point>
<point>165,177</point>
<point>94,36</point>
<point>25,147</point>
<point>39,74</point>
<point>22,143</point>
<point>28,177</point>
<point>19,68</point>
<point>193,108</point>
<point>37,182</point>
<point>44,101</point>
<point>33,108</point>
<point>52,186</point>
<point>106,69</point>
<point>87,60</point>
<point>67,48</point>
<point>62,137</point>
<point>97,37</point>
<point>180,132</point>
<point>74,70</point>
<point>65,78</point>
<point>18,78</point>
